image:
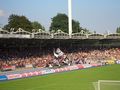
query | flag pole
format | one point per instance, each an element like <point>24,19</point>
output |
<point>70,17</point>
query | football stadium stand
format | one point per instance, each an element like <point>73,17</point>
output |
<point>23,50</point>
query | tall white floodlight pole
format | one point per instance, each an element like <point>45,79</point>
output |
<point>70,17</point>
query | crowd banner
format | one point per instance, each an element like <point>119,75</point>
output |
<point>118,61</point>
<point>87,65</point>
<point>3,77</point>
<point>80,66</point>
<point>13,76</point>
<point>47,71</point>
<point>110,61</point>
<point>8,68</point>
<point>28,66</point>
<point>24,75</point>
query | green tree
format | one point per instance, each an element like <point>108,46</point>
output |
<point>36,25</point>
<point>118,30</point>
<point>85,31</point>
<point>60,21</point>
<point>16,21</point>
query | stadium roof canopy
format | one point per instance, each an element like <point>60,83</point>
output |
<point>113,36</point>
<point>96,36</point>
<point>41,34</point>
<point>3,31</point>
<point>78,36</point>
<point>60,35</point>
<point>21,31</point>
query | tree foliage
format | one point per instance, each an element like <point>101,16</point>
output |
<point>36,25</point>
<point>60,21</point>
<point>15,21</point>
<point>118,30</point>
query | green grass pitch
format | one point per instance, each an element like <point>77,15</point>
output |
<point>73,80</point>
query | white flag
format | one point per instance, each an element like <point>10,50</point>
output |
<point>58,53</point>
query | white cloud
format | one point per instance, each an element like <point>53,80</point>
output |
<point>2,13</point>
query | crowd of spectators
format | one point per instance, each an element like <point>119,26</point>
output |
<point>33,58</point>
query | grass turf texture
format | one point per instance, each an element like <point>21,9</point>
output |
<point>73,80</point>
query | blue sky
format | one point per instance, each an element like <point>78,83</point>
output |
<point>95,15</point>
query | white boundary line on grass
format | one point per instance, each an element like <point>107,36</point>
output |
<point>99,81</point>
<point>98,84</point>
